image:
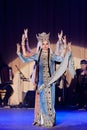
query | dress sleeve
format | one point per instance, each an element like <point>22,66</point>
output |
<point>28,59</point>
<point>57,58</point>
<point>62,68</point>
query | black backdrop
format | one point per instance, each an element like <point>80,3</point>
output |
<point>38,16</point>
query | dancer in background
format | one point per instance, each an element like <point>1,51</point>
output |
<point>26,51</point>
<point>60,50</point>
<point>45,60</point>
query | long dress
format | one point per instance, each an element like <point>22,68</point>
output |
<point>47,94</point>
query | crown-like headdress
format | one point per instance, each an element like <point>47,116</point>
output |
<point>43,36</point>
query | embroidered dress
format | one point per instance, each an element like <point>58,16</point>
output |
<point>46,105</point>
<point>45,77</point>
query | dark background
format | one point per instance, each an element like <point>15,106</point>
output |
<point>38,16</point>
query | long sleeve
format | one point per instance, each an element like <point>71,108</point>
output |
<point>57,58</point>
<point>61,69</point>
<point>29,59</point>
<point>71,66</point>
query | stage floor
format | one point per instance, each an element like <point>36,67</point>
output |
<point>22,118</point>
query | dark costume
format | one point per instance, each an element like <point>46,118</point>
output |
<point>5,84</point>
<point>81,86</point>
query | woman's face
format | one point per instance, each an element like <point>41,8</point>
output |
<point>45,45</point>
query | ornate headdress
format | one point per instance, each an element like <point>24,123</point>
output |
<point>41,37</point>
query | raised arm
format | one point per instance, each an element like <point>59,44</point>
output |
<point>25,44</point>
<point>60,36</point>
<point>26,59</point>
<point>61,45</point>
<point>59,58</point>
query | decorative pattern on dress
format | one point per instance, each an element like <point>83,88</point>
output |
<point>48,118</point>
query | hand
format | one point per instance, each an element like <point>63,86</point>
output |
<point>18,47</point>
<point>84,72</point>
<point>64,41</point>
<point>60,35</point>
<point>69,46</point>
<point>26,33</point>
